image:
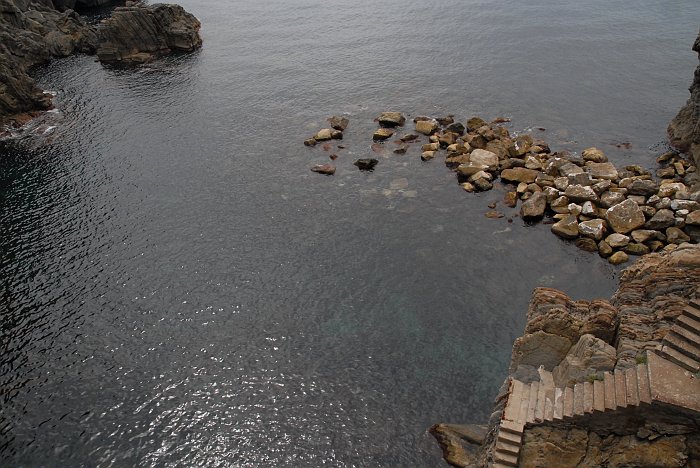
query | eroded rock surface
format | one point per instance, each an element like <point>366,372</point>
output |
<point>140,33</point>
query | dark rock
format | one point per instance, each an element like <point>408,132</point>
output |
<point>310,142</point>
<point>510,199</point>
<point>401,149</point>
<point>140,33</point>
<point>327,169</point>
<point>337,135</point>
<point>587,244</point>
<point>684,130</point>
<point>661,220</point>
<point>642,187</point>
<point>445,120</point>
<point>338,123</point>
<point>366,164</point>
<point>457,128</point>
<point>409,137</point>
<point>474,123</point>
<point>391,119</point>
<point>634,248</point>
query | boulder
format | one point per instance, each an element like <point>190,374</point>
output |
<point>426,127</point>
<point>566,228</point>
<point>519,174</point>
<point>534,207</point>
<point>602,171</point>
<point>642,187</point>
<point>675,235</point>
<point>684,130</point>
<point>609,198</point>
<point>338,123</point>
<point>568,169</point>
<point>366,164</point>
<point>662,219</point>
<point>617,240</point>
<point>693,218</point>
<point>391,119</point>
<point>140,33</point>
<point>456,127</point>
<point>382,134</point>
<point>483,157</point>
<point>594,155</point>
<point>594,229</point>
<point>618,258</point>
<point>625,217</point>
<point>580,193</point>
<point>327,169</point>
<point>324,134</point>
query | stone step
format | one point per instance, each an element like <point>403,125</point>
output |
<point>511,438</point>
<point>587,397</point>
<point>524,404</point>
<point>499,465</point>
<point>578,399</point>
<point>620,390</point>
<point>505,459</point>
<point>695,304</point>
<point>548,408</point>
<point>687,335</point>
<point>512,408</point>
<point>598,395</point>
<point>539,405</point>
<point>677,358</point>
<point>609,382</point>
<point>512,427</point>
<point>558,403</point>
<point>507,447</point>
<point>568,398</point>
<point>532,404</point>
<point>643,384</point>
<point>631,386</point>
<point>681,344</point>
<point>689,323</point>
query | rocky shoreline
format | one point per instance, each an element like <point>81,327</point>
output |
<point>571,350</point>
<point>34,32</point>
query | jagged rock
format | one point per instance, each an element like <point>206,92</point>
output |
<point>662,219</point>
<point>594,155</point>
<point>625,217</point>
<point>382,134</point>
<point>140,33</point>
<point>324,134</point>
<point>569,169</point>
<point>30,34</point>
<point>366,164</point>
<point>539,349</point>
<point>580,193</point>
<point>534,207</point>
<point>426,127</point>
<point>459,442</point>
<point>590,356</point>
<point>618,258</point>
<point>602,171</point>
<point>642,187</point>
<point>483,157</point>
<point>391,119</point>
<point>594,229</point>
<point>519,174</point>
<point>684,130</point>
<point>675,235</point>
<point>609,199</point>
<point>338,123</point>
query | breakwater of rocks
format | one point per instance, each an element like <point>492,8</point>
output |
<point>617,212</point>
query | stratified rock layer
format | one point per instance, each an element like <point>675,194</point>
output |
<point>137,34</point>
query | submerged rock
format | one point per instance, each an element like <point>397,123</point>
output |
<point>327,169</point>
<point>338,123</point>
<point>366,164</point>
<point>140,33</point>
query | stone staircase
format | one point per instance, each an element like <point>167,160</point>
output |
<point>681,345</point>
<point>667,376</point>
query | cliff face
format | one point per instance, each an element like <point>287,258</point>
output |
<point>30,34</point>
<point>684,130</point>
<point>34,31</point>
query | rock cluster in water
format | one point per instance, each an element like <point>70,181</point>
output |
<point>601,208</point>
<point>33,32</point>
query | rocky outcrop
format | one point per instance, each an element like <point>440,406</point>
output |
<point>30,34</point>
<point>138,34</point>
<point>581,343</point>
<point>684,130</point>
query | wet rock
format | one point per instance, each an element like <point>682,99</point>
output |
<point>310,142</point>
<point>534,207</point>
<point>471,168</point>
<point>604,249</point>
<point>445,120</point>
<point>661,220</point>
<point>618,258</point>
<point>486,158</point>
<point>675,235</point>
<point>401,149</point>
<point>510,199</point>
<point>617,240</point>
<point>409,137</point>
<point>338,123</point>
<point>602,171</point>
<point>456,127</point>
<point>594,155</point>
<point>428,155</point>
<point>642,187</point>
<point>625,217</point>
<point>324,134</point>
<point>494,214</point>
<point>336,135</point>
<point>586,244</point>
<point>567,228</point>
<point>634,248</point>
<point>474,123</point>
<point>391,119</point>
<point>580,193</point>
<point>366,164</point>
<point>382,134</point>
<point>643,235</point>
<point>430,147</point>
<point>162,29</point>
<point>482,184</point>
<point>594,229</point>
<point>426,127</point>
<point>468,187</point>
<point>519,174</point>
<point>327,169</point>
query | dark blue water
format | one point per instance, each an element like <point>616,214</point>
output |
<point>178,289</point>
